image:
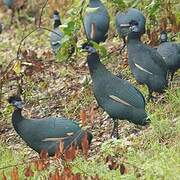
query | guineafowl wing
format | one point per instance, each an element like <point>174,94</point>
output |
<point>126,92</point>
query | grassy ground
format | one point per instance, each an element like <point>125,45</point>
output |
<point>65,89</point>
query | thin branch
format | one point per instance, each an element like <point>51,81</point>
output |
<point>81,17</point>
<point>22,40</point>
<point>42,10</point>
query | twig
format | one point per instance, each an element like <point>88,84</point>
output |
<point>22,40</point>
<point>42,10</point>
<point>81,17</point>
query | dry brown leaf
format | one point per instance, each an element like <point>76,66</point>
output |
<point>28,172</point>
<point>3,176</point>
<point>92,116</point>
<point>70,153</point>
<point>83,117</point>
<point>15,174</point>
<point>85,145</point>
<point>123,169</point>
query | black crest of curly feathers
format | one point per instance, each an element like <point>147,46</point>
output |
<point>14,98</point>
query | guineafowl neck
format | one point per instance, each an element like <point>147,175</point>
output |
<point>57,23</point>
<point>95,65</point>
<point>16,118</point>
<point>95,2</point>
<point>134,37</point>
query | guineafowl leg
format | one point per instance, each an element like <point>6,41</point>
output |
<point>172,75</point>
<point>115,129</point>
<point>150,96</point>
<point>124,44</point>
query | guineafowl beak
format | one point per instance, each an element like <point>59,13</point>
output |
<point>17,104</point>
<point>88,47</point>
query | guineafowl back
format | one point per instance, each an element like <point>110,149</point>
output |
<point>48,132</point>
<point>96,15</point>
<point>171,54</point>
<point>147,65</point>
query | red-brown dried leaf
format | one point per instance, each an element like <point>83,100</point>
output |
<point>92,116</point>
<point>56,176</point>
<point>28,172</point>
<point>60,150</point>
<point>83,117</point>
<point>123,169</point>
<point>111,162</point>
<point>41,164</point>
<point>77,176</point>
<point>15,174</point>
<point>68,172</point>
<point>163,24</point>
<point>70,153</point>
<point>3,176</point>
<point>85,145</point>
<point>43,154</point>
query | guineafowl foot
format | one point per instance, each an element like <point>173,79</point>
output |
<point>151,98</point>
<point>115,133</point>
<point>172,75</point>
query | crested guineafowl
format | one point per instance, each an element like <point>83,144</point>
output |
<point>96,21</point>
<point>116,96</point>
<point>146,63</point>
<point>125,18</point>
<point>46,134</point>
<point>170,51</point>
<point>57,35</point>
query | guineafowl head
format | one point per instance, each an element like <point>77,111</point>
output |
<point>88,47</point>
<point>16,101</point>
<point>163,37</point>
<point>57,20</point>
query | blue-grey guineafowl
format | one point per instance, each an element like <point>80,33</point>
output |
<point>146,64</point>
<point>57,35</point>
<point>116,96</point>
<point>170,51</point>
<point>46,134</point>
<point>96,21</point>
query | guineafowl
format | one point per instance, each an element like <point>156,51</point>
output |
<point>125,18</point>
<point>170,51</point>
<point>96,21</point>
<point>57,35</point>
<point>146,63</point>
<point>45,134</point>
<point>116,96</point>
<point>14,5</point>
